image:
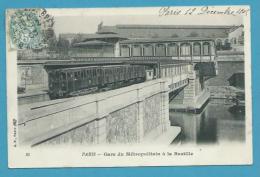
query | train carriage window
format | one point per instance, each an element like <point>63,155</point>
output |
<point>56,76</point>
<point>82,74</point>
<point>196,49</point>
<point>75,75</point>
<point>78,75</point>
<point>63,76</point>
<point>70,75</point>
<point>98,72</point>
<point>114,74</point>
<point>185,49</point>
<point>119,73</point>
<point>172,50</point>
<point>87,73</point>
<point>206,48</point>
<point>91,73</point>
<point>94,72</point>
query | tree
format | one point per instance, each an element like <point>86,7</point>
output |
<point>78,38</point>
<point>63,46</point>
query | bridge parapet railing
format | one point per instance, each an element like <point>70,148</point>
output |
<point>177,81</point>
<point>52,118</point>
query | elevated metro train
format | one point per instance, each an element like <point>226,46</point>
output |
<point>75,81</point>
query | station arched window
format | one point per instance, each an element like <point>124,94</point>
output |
<point>206,48</point>
<point>172,50</point>
<point>160,50</point>
<point>185,49</point>
<point>136,50</point>
<point>125,51</point>
<point>148,50</point>
<point>196,49</point>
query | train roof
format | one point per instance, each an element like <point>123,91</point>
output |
<point>82,67</point>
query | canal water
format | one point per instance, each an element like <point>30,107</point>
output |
<point>220,121</point>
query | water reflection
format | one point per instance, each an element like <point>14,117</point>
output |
<point>219,121</point>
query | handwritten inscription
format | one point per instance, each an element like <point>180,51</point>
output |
<point>205,10</point>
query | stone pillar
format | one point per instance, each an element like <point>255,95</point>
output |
<point>212,51</point>
<point>165,109</point>
<point>165,120</point>
<point>166,49</point>
<point>154,51</point>
<point>189,90</point>
<point>142,49</point>
<point>191,51</point>
<point>140,121</point>
<point>201,50</point>
<point>179,51</point>
<point>130,50</point>
<point>100,125</point>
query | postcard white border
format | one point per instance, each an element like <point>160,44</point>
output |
<point>230,154</point>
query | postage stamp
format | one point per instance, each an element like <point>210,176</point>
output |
<point>26,28</point>
<point>110,87</point>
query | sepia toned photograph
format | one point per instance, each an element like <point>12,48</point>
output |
<point>159,86</point>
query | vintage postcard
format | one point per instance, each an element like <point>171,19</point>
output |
<point>111,87</point>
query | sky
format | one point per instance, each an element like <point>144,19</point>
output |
<point>87,20</point>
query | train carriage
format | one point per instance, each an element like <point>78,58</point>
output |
<point>83,80</point>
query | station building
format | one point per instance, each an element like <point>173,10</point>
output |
<point>156,40</point>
